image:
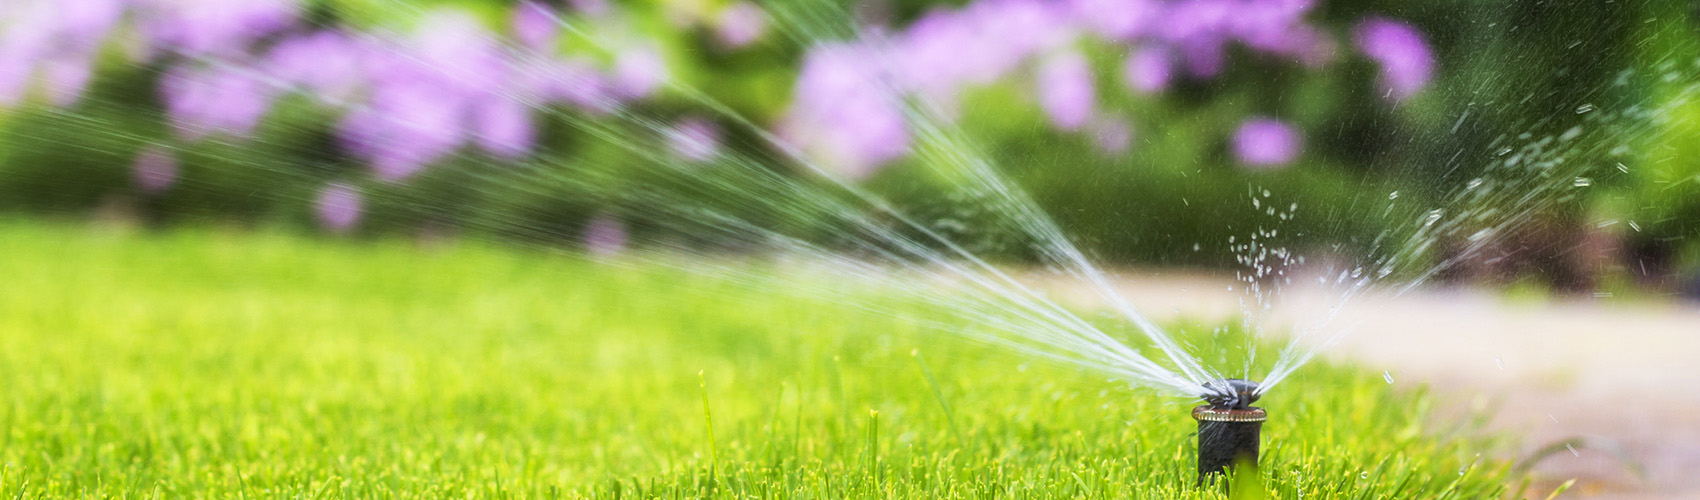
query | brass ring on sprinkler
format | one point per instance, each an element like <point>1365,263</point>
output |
<point>1206,413</point>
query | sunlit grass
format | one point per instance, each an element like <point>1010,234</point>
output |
<point>198,364</point>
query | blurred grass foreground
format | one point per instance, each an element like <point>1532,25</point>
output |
<point>199,364</point>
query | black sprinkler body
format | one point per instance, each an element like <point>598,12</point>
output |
<point>1229,427</point>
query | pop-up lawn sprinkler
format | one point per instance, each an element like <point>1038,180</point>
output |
<point>1228,427</point>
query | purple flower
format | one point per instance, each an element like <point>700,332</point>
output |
<point>1405,59</point>
<point>1112,135</point>
<point>947,49</point>
<point>694,139</point>
<point>30,29</point>
<point>934,56</point>
<point>154,170</point>
<point>503,127</point>
<point>604,236</point>
<point>1203,56</point>
<point>52,46</point>
<point>1199,24</point>
<point>639,72</point>
<point>407,127</point>
<point>1065,90</point>
<point>455,54</point>
<point>740,24</point>
<point>1193,19</point>
<point>535,25</point>
<point>15,76</point>
<point>213,27</point>
<point>1201,30</point>
<point>424,100</point>
<point>1267,143</point>
<point>1274,26</point>
<point>338,207</point>
<point>845,112</point>
<point>328,64</point>
<point>205,101</point>
<point>1148,70</point>
<point>833,73</point>
<point>82,24</point>
<point>1117,19</point>
<point>1022,27</point>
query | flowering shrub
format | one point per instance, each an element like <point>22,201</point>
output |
<point>849,95</point>
<point>479,87</point>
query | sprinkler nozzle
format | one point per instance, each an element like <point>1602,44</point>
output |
<point>1230,393</point>
<point>1229,428</point>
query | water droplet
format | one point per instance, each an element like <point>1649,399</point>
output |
<point>1622,168</point>
<point>1554,419</point>
<point>1572,449</point>
<point>1584,108</point>
<point>1502,151</point>
<point>1571,134</point>
<point>1433,216</point>
<point>1474,183</point>
<point>1393,195</point>
<point>1387,375</point>
<point>1266,193</point>
<point>1636,227</point>
<point>1363,475</point>
<point>1582,182</point>
<point>1499,361</point>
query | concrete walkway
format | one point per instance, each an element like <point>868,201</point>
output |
<point>1622,381</point>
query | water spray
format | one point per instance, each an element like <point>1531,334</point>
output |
<point>1229,427</point>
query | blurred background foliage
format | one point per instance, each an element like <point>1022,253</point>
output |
<point>1173,194</point>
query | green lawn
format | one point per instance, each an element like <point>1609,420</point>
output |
<point>209,364</point>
